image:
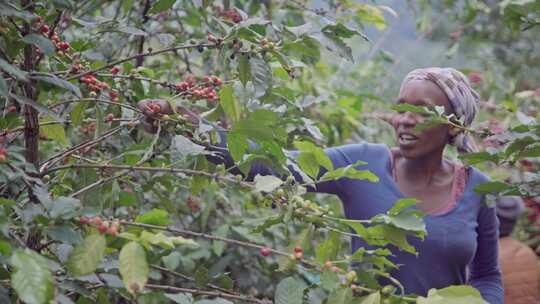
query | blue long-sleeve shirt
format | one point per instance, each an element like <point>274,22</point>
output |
<point>461,246</point>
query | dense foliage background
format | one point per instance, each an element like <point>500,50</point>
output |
<point>95,209</point>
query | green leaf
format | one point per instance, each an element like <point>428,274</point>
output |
<point>374,298</point>
<point>381,235</point>
<point>261,75</point>
<point>133,267</point>
<point>329,248</point>
<point>350,172</point>
<point>7,202</point>
<point>492,187</point>
<point>237,145</point>
<point>85,258</point>
<point>329,280</point>
<point>160,6</point>
<point>180,298</point>
<point>335,44</point>
<point>13,70</point>
<point>55,132</point>
<point>131,30</point>
<point>533,151</point>
<point>267,183</point>
<point>214,301</point>
<point>452,295</point>
<point>371,14</point>
<point>244,72</point>
<point>341,30</point>
<point>312,158</point>
<point>41,42</point>
<point>289,291</point>
<point>77,115</point>
<point>406,221</point>
<point>229,103</point>
<point>39,107</point>
<point>407,107</point>
<point>199,182</point>
<point>154,217</point>
<point>202,277</point>
<point>59,82</point>
<point>401,205</point>
<point>162,240</point>
<point>340,296</point>
<point>64,207</point>
<point>182,146</point>
<point>474,158</point>
<point>269,222</point>
<point>9,9</point>
<point>3,87</point>
<point>308,163</point>
<point>31,279</point>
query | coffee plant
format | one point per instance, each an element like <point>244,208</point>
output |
<point>93,208</point>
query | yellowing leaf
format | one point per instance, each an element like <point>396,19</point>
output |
<point>133,267</point>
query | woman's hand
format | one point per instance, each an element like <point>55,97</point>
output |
<point>153,109</point>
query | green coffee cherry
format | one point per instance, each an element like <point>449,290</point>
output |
<point>351,276</point>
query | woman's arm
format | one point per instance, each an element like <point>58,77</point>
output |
<point>221,154</point>
<point>485,274</point>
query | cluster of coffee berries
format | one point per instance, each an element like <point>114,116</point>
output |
<point>213,39</point>
<point>3,155</point>
<point>203,88</point>
<point>104,227</point>
<point>44,28</point>
<point>94,85</point>
<point>266,44</point>
<point>231,14</point>
<point>330,265</point>
<point>153,108</point>
<point>89,129</point>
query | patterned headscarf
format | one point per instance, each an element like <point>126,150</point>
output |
<point>463,98</point>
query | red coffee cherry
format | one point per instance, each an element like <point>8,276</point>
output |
<point>63,45</point>
<point>84,220</point>
<point>265,251</point>
<point>115,70</point>
<point>44,29</point>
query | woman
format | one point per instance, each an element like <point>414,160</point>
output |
<point>461,244</point>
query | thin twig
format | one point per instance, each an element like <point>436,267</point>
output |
<point>151,169</point>
<point>95,100</point>
<point>190,279</point>
<point>208,293</point>
<point>60,156</point>
<point>152,53</point>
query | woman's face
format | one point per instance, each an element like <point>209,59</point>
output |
<point>414,145</point>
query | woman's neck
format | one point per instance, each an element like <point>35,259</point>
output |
<point>428,169</point>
